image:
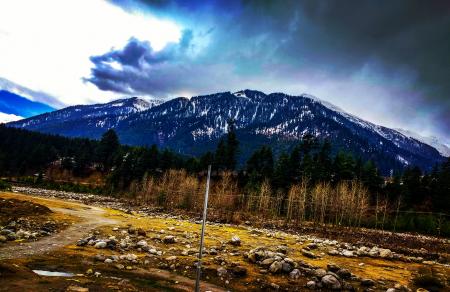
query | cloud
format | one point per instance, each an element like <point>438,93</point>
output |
<point>45,45</point>
<point>387,62</point>
<point>6,118</point>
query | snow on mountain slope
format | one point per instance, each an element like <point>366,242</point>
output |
<point>86,120</point>
<point>193,126</point>
<point>432,141</point>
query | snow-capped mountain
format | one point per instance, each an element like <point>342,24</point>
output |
<point>432,141</point>
<point>194,125</point>
<point>86,120</point>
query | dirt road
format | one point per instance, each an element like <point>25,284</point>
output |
<point>90,217</point>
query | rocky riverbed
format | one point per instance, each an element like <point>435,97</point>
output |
<point>243,257</point>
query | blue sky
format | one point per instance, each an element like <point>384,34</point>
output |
<point>385,63</point>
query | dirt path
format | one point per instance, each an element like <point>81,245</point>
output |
<point>91,217</point>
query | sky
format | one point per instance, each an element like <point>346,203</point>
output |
<point>385,61</point>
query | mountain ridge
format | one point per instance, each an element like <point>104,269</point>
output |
<point>193,126</point>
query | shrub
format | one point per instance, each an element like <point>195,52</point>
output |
<point>4,186</point>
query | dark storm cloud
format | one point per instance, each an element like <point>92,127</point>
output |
<point>391,55</point>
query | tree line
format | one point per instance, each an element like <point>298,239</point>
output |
<point>264,176</point>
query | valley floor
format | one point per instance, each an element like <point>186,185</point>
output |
<point>103,246</point>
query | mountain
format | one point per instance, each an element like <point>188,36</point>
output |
<point>15,105</point>
<point>193,126</point>
<point>443,149</point>
<point>86,120</point>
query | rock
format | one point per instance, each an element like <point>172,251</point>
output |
<point>141,232</point>
<point>132,230</point>
<point>108,261</point>
<point>391,290</point>
<point>319,273</point>
<point>3,239</point>
<point>374,252</point>
<point>82,242</point>
<point>171,258</point>
<point>239,271</point>
<point>311,285</point>
<point>421,290</point>
<point>386,253</point>
<point>295,274</point>
<point>348,253</point>
<point>235,240</point>
<point>333,268</point>
<point>331,282</point>
<point>286,267</point>
<point>100,244</point>
<point>120,266</point>
<point>267,262</point>
<point>89,272</point>
<point>308,254</point>
<point>212,251</point>
<point>312,245</point>
<point>73,288</point>
<point>333,252</point>
<point>99,258</point>
<point>11,236</point>
<point>282,249</point>
<point>221,271</point>
<point>344,274</point>
<point>129,257</point>
<point>274,286</point>
<point>142,244</point>
<point>275,267</point>
<point>367,282</point>
<point>169,239</point>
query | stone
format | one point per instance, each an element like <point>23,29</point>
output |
<point>267,262</point>
<point>171,258</point>
<point>348,253</point>
<point>311,285</point>
<point>282,249</point>
<point>386,253</point>
<point>169,239</point>
<point>333,268</point>
<point>129,257</point>
<point>221,271</point>
<point>308,254</point>
<point>235,240</point>
<point>73,288</point>
<point>312,245</point>
<point>100,244</point>
<point>295,274</point>
<point>99,258</point>
<point>331,282</point>
<point>286,267</point>
<point>319,273</point>
<point>274,286</point>
<point>3,239</point>
<point>344,274</point>
<point>367,282</point>
<point>333,252</point>
<point>275,267</point>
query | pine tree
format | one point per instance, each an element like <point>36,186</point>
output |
<point>107,149</point>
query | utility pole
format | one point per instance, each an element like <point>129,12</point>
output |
<point>200,253</point>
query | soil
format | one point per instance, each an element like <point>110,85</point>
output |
<point>12,209</point>
<point>59,252</point>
